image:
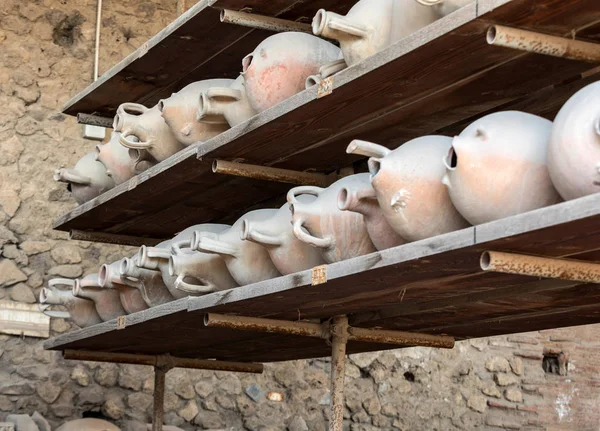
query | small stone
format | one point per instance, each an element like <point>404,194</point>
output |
<point>22,422</point>
<point>68,271</point>
<point>11,149</point>
<point>63,410</point>
<point>189,412</point>
<point>80,376</point>
<point>372,405</point>
<point>33,372</point>
<point>516,365</point>
<point>325,399</point>
<point>491,391</point>
<point>65,254</point>
<point>297,424</point>
<point>90,398</point>
<point>10,274</point>
<point>497,364</point>
<point>114,408</point>
<point>22,293</point>
<point>59,325</point>
<point>30,11</point>
<point>204,388</point>
<point>48,391</point>
<point>106,375</point>
<point>363,360</point>
<point>9,202</point>
<point>27,126</point>
<point>503,379</point>
<point>213,421</point>
<point>8,388</point>
<point>132,377</point>
<point>34,247</point>
<point>139,401</point>
<point>6,405</point>
<point>477,403</point>
<point>254,392</point>
<point>514,395</point>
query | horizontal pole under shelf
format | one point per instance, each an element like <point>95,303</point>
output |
<point>95,120</point>
<point>158,360</point>
<point>262,22</point>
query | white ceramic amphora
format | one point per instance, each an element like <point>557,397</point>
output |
<point>225,103</point>
<point>81,311</point>
<point>107,301</point>
<point>87,180</point>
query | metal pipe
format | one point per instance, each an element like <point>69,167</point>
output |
<point>112,238</point>
<point>258,324</point>
<point>95,120</point>
<point>97,42</point>
<point>339,339</point>
<point>537,266</point>
<point>539,43</point>
<point>263,22</point>
<point>172,361</point>
<point>400,338</point>
<point>271,174</point>
<point>159,398</point>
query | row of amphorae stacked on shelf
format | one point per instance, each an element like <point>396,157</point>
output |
<point>280,66</point>
<point>502,164</point>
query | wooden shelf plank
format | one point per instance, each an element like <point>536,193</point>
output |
<point>430,286</point>
<point>195,46</point>
<point>434,81</point>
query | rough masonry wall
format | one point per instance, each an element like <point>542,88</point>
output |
<point>46,54</point>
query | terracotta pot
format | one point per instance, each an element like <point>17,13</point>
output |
<point>574,146</point>
<point>225,103</point>
<point>372,25</point>
<point>280,64</point>
<point>247,262</point>
<point>445,7</point>
<point>179,112</point>
<point>87,179</point>
<point>497,167</point>
<point>81,311</point>
<point>361,198</point>
<point>149,128</point>
<point>150,283</point>
<point>275,234</point>
<point>107,301</point>
<point>338,234</point>
<point>158,258</point>
<point>408,184</point>
<point>120,164</point>
<point>109,277</point>
<point>88,424</point>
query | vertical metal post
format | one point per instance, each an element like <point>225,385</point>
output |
<point>163,364</point>
<point>339,338</point>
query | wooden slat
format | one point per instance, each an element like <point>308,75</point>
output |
<point>436,80</point>
<point>431,286</point>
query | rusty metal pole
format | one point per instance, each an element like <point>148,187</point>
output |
<point>262,22</point>
<point>540,43</point>
<point>339,338</point>
<point>538,266</point>
<point>160,370</point>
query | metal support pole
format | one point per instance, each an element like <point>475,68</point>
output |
<point>539,43</point>
<point>159,396</point>
<point>263,22</point>
<point>271,174</point>
<point>339,338</point>
<point>537,266</point>
<point>401,338</point>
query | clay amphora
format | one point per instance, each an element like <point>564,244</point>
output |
<point>326,71</point>
<point>497,167</point>
<point>150,283</point>
<point>88,424</point>
<point>574,146</point>
<point>109,277</point>
<point>179,112</point>
<point>149,128</point>
<point>158,258</point>
<point>338,234</point>
<point>372,25</point>
<point>247,262</point>
<point>87,179</point>
<point>408,184</point>
<point>445,7</point>
<point>81,311</point>
<point>361,198</point>
<point>120,162</point>
<point>276,235</point>
<point>225,103</point>
<point>280,64</point>
<point>107,301</point>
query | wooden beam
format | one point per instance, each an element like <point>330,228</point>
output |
<point>112,238</point>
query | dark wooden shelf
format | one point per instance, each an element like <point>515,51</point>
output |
<point>432,286</point>
<point>195,46</point>
<point>434,81</point>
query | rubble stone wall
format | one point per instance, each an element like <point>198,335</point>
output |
<point>535,381</point>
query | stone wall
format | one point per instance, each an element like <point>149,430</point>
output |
<point>46,52</point>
